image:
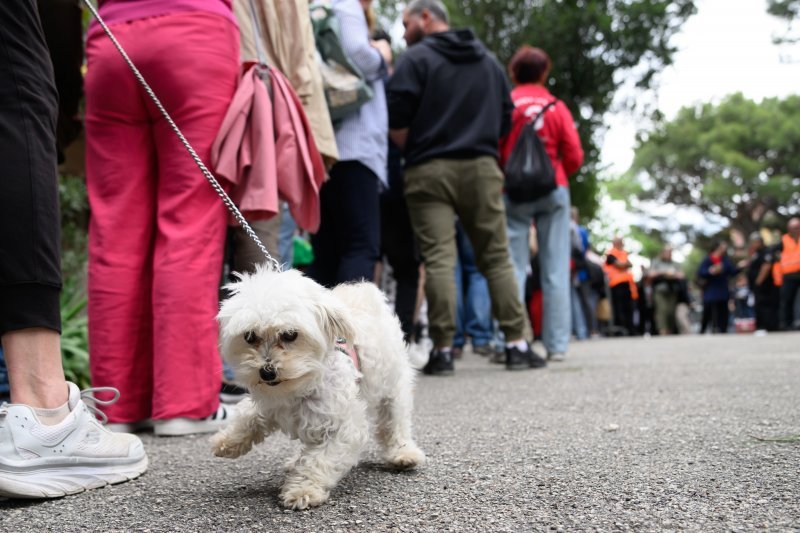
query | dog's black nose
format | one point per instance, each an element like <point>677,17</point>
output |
<point>268,374</point>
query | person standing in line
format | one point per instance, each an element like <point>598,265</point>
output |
<point>157,228</point>
<point>530,70</point>
<point>760,266</point>
<point>347,245</point>
<point>623,287</point>
<point>715,271</point>
<point>43,404</point>
<point>449,106</point>
<point>789,249</point>
<point>666,277</point>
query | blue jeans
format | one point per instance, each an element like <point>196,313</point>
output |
<point>578,317</point>
<point>473,316</point>
<point>4,389</point>
<point>552,218</point>
<point>286,236</point>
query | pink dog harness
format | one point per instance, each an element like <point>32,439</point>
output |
<point>349,351</point>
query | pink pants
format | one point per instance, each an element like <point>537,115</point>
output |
<point>157,228</point>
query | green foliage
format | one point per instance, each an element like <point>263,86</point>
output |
<point>74,226</point>
<point>788,10</point>
<point>594,45</point>
<point>74,240</point>
<point>74,334</point>
<point>738,159</point>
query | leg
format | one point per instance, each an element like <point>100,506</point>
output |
<point>120,164</point>
<point>394,415</point>
<point>326,257</point>
<point>195,76</point>
<point>286,236</point>
<point>477,316</point>
<point>578,318</point>
<point>242,433</point>
<point>246,255</point>
<point>30,273</point>
<point>479,184</point>
<point>320,466</point>
<point>460,337</point>
<point>552,224</point>
<point>519,217</point>
<point>430,206</point>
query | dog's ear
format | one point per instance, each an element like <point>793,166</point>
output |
<point>333,319</point>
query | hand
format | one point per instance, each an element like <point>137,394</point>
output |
<point>385,49</point>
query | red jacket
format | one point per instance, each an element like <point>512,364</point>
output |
<point>556,128</point>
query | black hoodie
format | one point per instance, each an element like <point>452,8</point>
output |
<point>452,95</point>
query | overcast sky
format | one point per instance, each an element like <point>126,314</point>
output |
<point>724,48</point>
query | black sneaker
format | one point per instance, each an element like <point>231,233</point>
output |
<point>516,359</point>
<point>230,393</point>
<point>440,363</point>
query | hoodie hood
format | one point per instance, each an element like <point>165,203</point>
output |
<point>458,46</point>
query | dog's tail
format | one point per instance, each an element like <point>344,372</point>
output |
<point>419,352</point>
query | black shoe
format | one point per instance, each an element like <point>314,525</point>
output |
<point>440,363</point>
<point>516,359</point>
<point>230,393</point>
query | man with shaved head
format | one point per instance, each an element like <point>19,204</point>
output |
<point>449,105</point>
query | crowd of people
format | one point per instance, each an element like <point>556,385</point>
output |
<point>407,167</point>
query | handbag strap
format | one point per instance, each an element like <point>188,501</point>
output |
<point>260,52</point>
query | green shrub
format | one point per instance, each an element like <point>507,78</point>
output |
<point>74,241</point>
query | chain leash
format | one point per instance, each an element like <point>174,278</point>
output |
<point>207,173</point>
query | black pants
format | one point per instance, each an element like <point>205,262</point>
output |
<point>717,315</point>
<point>766,307</point>
<point>790,293</point>
<point>401,251</point>
<point>622,306</point>
<point>30,235</point>
<point>346,247</point>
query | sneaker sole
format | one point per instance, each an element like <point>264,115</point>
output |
<point>231,398</point>
<point>183,427</point>
<point>56,481</point>
<point>440,373</point>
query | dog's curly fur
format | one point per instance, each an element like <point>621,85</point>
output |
<point>279,332</point>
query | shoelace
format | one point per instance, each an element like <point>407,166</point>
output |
<point>91,400</point>
<point>89,395</point>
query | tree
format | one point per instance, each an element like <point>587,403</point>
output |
<point>738,159</point>
<point>594,45</point>
<point>788,10</point>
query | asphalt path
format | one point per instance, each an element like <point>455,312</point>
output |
<point>682,433</point>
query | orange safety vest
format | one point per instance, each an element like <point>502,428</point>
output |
<point>617,276</point>
<point>777,274</point>
<point>790,255</point>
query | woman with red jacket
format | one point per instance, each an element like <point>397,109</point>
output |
<point>529,70</point>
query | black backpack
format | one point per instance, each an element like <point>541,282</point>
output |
<point>529,172</point>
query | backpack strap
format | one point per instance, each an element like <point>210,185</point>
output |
<point>545,108</point>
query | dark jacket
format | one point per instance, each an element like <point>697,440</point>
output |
<point>452,95</point>
<point>716,285</point>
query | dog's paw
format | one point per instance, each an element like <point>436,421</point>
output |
<point>223,446</point>
<point>303,497</point>
<point>406,457</point>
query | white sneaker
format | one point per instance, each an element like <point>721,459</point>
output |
<point>177,427</point>
<point>77,454</point>
<point>556,356</point>
<point>130,427</point>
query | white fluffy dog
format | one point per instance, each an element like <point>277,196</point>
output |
<point>283,333</point>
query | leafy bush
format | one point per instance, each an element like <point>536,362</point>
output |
<point>74,241</point>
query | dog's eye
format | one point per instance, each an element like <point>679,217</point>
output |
<point>250,337</point>
<point>289,336</point>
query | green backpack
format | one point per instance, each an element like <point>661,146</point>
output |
<point>346,88</point>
